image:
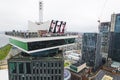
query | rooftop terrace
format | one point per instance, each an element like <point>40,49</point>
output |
<point>41,34</point>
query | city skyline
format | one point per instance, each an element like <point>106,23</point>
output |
<point>79,17</point>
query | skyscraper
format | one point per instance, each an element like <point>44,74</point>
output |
<point>91,50</point>
<point>114,47</point>
<point>115,23</point>
<point>104,28</point>
<point>41,57</point>
<point>114,38</point>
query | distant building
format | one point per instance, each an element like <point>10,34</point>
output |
<point>104,28</point>
<point>74,56</point>
<point>91,50</point>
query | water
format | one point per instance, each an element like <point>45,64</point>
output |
<point>3,40</point>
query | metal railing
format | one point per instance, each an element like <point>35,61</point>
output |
<point>36,34</point>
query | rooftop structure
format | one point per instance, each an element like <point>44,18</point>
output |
<point>115,64</point>
<point>107,78</point>
<point>81,75</point>
<point>67,74</point>
<point>73,56</point>
<point>77,67</point>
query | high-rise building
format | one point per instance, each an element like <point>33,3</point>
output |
<point>91,50</point>
<point>104,28</point>
<point>114,38</point>
<point>44,54</point>
<point>115,23</point>
<point>114,47</point>
<point>41,56</point>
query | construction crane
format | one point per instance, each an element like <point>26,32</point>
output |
<point>102,10</point>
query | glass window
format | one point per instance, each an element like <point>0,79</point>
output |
<point>52,71</point>
<point>30,78</point>
<point>44,78</point>
<point>13,67</point>
<point>48,78</point>
<point>52,78</point>
<point>21,67</point>
<point>59,71</point>
<point>44,71</point>
<point>33,71</point>
<point>41,78</point>
<point>59,77</point>
<point>48,71</point>
<point>34,78</point>
<point>37,77</point>
<point>48,64</point>
<point>37,71</point>
<point>50,43</point>
<point>26,78</point>
<point>55,71</point>
<point>40,64</point>
<point>51,64</point>
<point>15,77</point>
<point>59,64</point>
<point>55,64</point>
<point>19,77</point>
<point>28,68</point>
<point>40,71</point>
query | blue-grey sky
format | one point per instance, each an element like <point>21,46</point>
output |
<point>80,15</point>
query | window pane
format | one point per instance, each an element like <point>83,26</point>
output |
<point>28,68</point>
<point>13,67</point>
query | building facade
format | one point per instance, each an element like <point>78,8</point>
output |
<point>114,47</point>
<point>104,28</point>
<point>114,38</point>
<point>115,23</point>
<point>24,67</point>
<point>91,50</point>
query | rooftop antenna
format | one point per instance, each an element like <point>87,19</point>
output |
<point>40,11</point>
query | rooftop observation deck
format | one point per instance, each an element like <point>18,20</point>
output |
<point>36,34</point>
<point>30,42</point>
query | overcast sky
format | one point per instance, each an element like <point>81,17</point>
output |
<point>80,15</point>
